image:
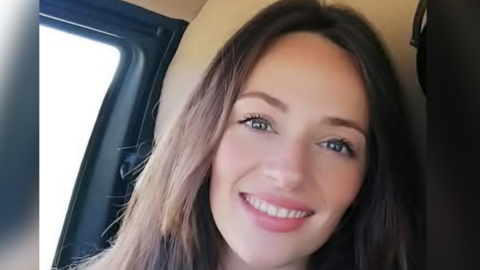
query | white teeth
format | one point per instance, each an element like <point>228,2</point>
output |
<point>274,211</point>
<point>282,213</point>
<point>263,207</point>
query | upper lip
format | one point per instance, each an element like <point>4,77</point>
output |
<point>281,201</point>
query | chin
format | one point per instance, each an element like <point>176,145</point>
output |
<point>263,263</point>
<point>265,260</point>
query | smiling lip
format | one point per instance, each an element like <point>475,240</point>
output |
<point>271,223</point>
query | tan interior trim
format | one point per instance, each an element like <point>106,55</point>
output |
<point>178,9</point>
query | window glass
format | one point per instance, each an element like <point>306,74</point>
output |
<point>75,75</point>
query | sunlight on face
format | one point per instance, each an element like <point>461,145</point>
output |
<point>292,158</point>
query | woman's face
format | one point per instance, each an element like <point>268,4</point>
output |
<point>292,158</point>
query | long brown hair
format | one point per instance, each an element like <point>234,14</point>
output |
<point>168,224</point>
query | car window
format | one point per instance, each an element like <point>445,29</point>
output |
<point>75,75</point>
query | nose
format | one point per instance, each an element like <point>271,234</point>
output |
<point>288,167</point>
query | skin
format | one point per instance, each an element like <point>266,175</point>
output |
<point>302,86</point>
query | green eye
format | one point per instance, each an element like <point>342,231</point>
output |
<point>259,124</point>
<point>256,122</point>
<point>339,146</point>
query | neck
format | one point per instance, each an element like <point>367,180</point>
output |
<point>231,261</point>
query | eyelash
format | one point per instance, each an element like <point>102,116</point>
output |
<point>345,143</point>
<point>251,117</point>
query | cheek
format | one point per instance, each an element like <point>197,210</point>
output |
<point>239,153</point>
<point>339,184</point>
<point>235,157</point>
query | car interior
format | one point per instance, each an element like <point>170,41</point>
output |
<point>119,72</point>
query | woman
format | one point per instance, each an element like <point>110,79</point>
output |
<point>291,154</point>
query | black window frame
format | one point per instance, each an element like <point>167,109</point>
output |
<point>124,131</point>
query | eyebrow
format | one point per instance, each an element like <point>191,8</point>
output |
<point>332,121</point>
<point>341,122</point>
<point>275,102</point>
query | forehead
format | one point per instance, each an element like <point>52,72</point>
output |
<point>312,75</point>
